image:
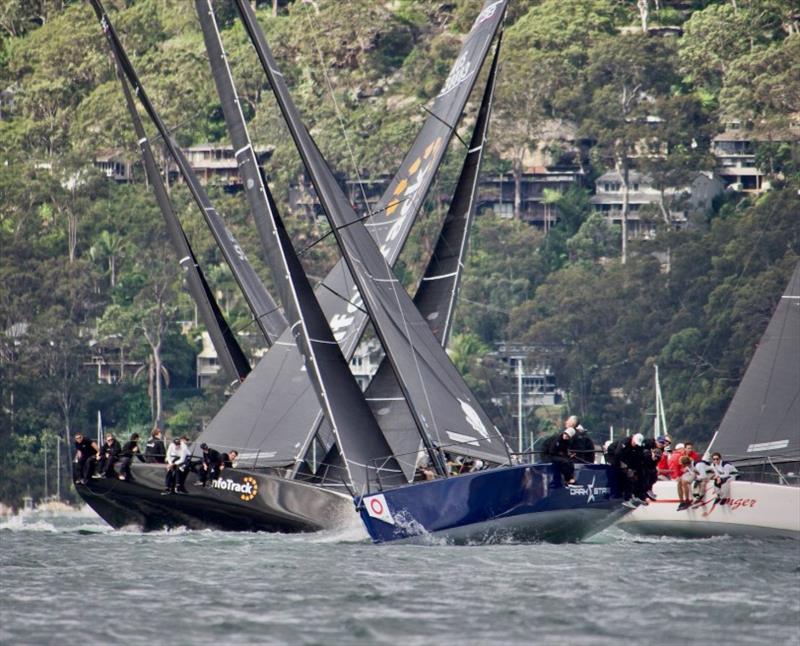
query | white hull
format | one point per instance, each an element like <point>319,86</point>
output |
<point>750,509</point>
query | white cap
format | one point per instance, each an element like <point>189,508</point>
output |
<point>679,446</point>
<point>637,440</point>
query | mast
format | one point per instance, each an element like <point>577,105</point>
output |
<point>424,371</point>
<point>265,312</point>
<point>230,353</point>
<point>358,435</point>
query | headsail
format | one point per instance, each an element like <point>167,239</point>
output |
<point>763,419</point>
<point>230,353</point>
<point>359,438</point>
<point>279,428</point>
<point>266,313</point>
<point>436,297</point>
<point>444,409</point>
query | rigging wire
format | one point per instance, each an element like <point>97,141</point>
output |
<point>338,111</point>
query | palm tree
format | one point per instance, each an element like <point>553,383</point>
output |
<point>109,246</point>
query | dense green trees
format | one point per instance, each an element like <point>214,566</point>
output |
<point>82,258</point>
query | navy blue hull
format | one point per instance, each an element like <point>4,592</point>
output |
<point>520,503</point>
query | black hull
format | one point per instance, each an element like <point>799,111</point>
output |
<point>241,500</point>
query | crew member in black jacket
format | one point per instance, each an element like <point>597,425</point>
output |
<point>109,454</point>
<point>129,450</point>
<point>85,458</point>
<point>212,461</point>
<point>582,447</point>
<point>629,460</point>
<point>556,449</point>
<point>154,450</point>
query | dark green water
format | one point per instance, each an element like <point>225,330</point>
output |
<point>69,579</point>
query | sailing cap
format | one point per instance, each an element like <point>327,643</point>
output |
<point>679,446</point>
<point>637,440</point>
<point>570,431</point>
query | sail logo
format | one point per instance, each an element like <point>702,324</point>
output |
<point>487,13</point>
<point>474,420</point>
<point>406,194</point>
<point>247,488</point>
<point>590,491</point>
<point>340,323</point>
<point>239,251</point>
<point>461,72</point>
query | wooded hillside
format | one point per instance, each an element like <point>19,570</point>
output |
<point>84,260</point>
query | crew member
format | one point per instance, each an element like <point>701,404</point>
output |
<point>85,458</point>
<point>129,450</point>
<point>628,459</point>
<point>154,451</point>
<point>229,460</point>
<point>173,457</point>
<point>685,481</point>
<point>556,449</point>
<point>210,468</point>
<point>109,454</point>
<point>184,460</point>
<point>723,474</point>
<point>582,446</point>
<point>650,458</point>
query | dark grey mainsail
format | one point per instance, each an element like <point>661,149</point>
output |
<point>436,296</point>
<point>763,419</point>
<point>268,317</point>
<point>230,353</point>
<point>443,407</point>
<point>360,440</point>
<point>277,428</point>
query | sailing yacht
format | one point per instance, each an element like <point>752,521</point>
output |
<point>760,434</point>
<point>274,418</point>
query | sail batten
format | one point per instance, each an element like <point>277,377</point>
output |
<point>762,419</point>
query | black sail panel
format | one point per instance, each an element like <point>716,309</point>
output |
<point>763,419</point>
<point>267,428</point>
<point>361,442</point>
<point>443,406</point>
<point>436,297</point>
<point>266,313</point>
<point>231,356</point>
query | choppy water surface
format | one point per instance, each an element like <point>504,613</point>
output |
<point>70,579</point>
